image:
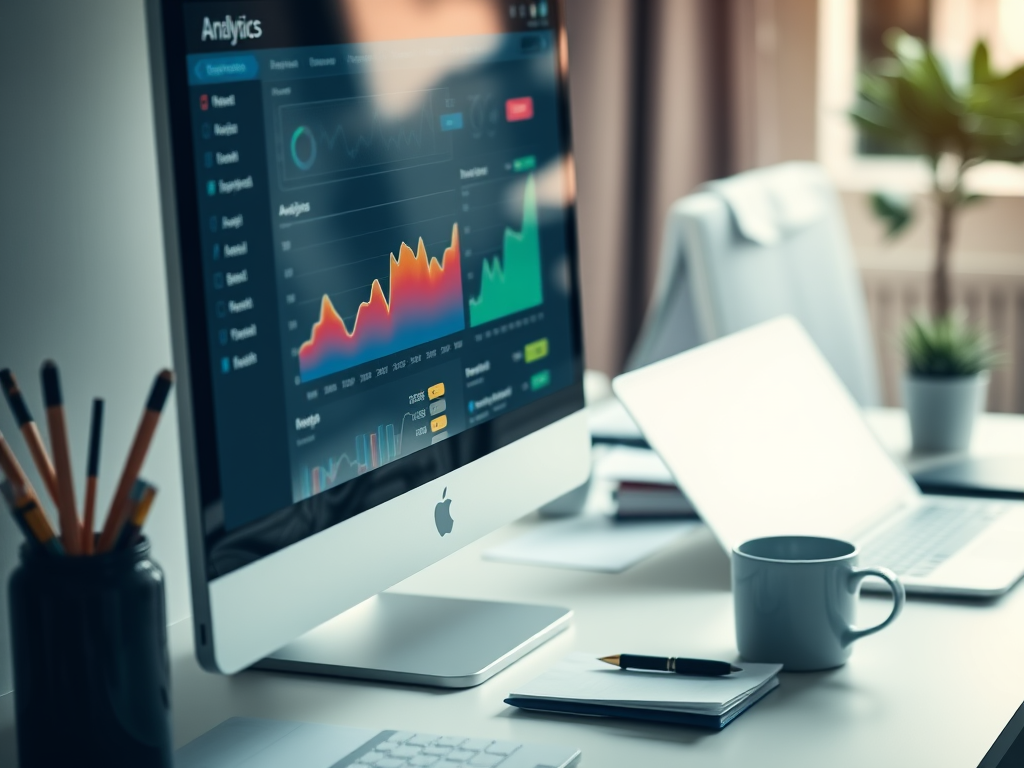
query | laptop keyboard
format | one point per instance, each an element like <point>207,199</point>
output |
<point>927,538</point>
<point>399,749</point>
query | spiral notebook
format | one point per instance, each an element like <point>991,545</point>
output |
<point>582,685</point>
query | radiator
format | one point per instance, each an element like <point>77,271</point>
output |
<point>994,301</point>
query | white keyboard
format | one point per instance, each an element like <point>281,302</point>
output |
<point>404,749</point>
<point>927,538</point>
<point>251,742</point>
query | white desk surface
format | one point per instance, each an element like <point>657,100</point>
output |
<point>995,434</point>
<point>933,690</point>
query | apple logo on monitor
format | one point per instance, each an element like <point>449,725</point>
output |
<point>443,515</point>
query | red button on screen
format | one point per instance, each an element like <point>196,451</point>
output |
<point>519,109</point>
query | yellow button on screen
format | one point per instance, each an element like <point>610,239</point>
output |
<point>436,391</point>
<point>536,350</point>
<point>439,423</point>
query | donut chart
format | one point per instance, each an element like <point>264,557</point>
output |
<point>303,152</point>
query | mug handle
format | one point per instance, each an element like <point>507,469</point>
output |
<point>899,597</point>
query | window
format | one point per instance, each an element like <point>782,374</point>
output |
<point>850,36</point>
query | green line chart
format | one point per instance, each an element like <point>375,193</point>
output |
<point>513,283</point>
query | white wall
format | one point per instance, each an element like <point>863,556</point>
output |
<point>81,259</point>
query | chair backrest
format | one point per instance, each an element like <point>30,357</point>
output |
<point>755,246</point>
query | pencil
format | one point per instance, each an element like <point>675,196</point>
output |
<point>12,504</point>
<point>30,518</point>
<point>20,488</point>
<point>67,512</point>
<point>11,467</point>
<point>142,497</point>
<point>93,469</point>
<point>29,431</point>
<point>119,509</point>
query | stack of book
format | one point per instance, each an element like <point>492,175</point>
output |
<point>643,486</point>
<point>637,500</point>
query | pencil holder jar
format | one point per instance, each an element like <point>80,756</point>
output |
<point>91,671</point>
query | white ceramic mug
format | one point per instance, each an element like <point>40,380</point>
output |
<point>794,600</point>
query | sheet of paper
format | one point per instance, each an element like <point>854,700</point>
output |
<point>596,497</point>
<point>623,463</point>
<point>612,464</point>
<point>611,421</point>
<point>591,542</point>
<point>580,677</point>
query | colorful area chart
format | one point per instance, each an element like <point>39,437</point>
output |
<point>514,283</point>
<point>424,303</point>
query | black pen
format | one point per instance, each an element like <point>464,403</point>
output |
<point>692,667</point>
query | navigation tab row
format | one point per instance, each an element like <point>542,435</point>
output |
<point>353,58</point>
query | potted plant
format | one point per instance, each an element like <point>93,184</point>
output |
<point>911,103</point>
<point>946,382</point>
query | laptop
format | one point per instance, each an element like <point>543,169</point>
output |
<point>245,742</point>
<point>997,477</point>
<point>765,439</point>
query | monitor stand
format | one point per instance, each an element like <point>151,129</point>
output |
<point>438,641</point>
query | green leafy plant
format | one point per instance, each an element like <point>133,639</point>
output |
<point>946,346</point>
<point>910,102</point>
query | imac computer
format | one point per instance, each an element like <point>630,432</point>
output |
<point>369,216</point>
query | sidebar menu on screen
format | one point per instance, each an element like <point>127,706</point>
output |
<point>238,267</point>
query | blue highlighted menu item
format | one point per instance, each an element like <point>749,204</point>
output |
<point>224,69</point>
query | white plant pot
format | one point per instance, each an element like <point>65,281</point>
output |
<point>942,410</point>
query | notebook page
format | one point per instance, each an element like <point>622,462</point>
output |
<point>581,677</point>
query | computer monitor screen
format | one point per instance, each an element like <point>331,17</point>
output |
<point>372,252</point>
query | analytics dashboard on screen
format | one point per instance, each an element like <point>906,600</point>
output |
<point>384,240</point>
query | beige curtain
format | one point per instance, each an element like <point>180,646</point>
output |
<point>667,94</point>
<point>648,123</point>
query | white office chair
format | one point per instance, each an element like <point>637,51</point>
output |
<point>754,246</point>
